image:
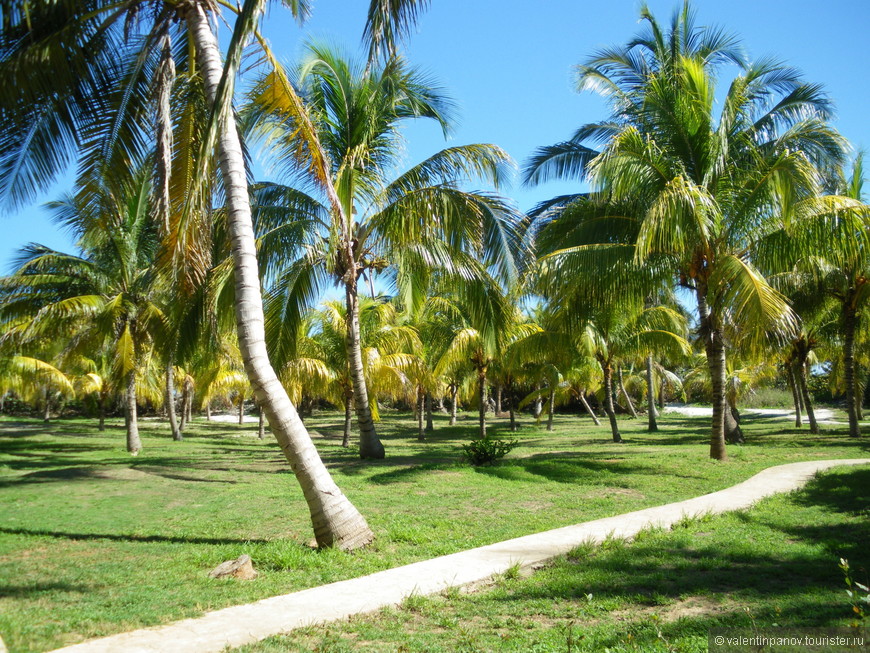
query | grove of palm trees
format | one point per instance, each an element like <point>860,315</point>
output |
<point>438,367</point>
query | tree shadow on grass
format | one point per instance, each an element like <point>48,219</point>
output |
<point>115,537</point>
<point>34,590</point>
<point>757,571</point>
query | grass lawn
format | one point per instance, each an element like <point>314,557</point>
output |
<point>775,566</point>
<point>94,542</point>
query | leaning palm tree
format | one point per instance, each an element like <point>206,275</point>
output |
<point>46,115</point>
<point>701,189</point>
<point>407,224</point>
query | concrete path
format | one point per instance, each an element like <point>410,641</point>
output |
<point>244,624</point>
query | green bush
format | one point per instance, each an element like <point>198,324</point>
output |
<point>487,450</point>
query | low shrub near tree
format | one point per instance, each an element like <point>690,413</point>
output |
<point>487,451</point>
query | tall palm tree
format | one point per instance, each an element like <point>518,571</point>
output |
<point>406,225</point>
<point>705,187</point>
<point>45,117</point>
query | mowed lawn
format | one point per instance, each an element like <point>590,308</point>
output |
<point>94,542</point>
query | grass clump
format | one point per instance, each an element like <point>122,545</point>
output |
<point>486,451</point>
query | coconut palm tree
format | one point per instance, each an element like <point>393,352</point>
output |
<point>46,113</point>
<point>406,225</point>
<point>683,188</point>
<point>105,297</point>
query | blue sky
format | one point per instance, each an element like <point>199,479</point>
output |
<point>508,66</point>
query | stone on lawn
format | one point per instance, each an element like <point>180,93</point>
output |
<point>241,568</point>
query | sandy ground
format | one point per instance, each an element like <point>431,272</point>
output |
<point>823,415</point>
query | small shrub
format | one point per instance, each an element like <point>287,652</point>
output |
<point>487,450</point>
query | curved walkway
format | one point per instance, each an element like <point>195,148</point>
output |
<point>244,624</point>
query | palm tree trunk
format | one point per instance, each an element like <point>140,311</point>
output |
<point>241,409</point>
<point>733,432</point>
<point>650,396</point>
<point>46,410</point>
<point>625,393</point>
<point>170,398</point>
<point>454,391</point>
<point>513,415</point>
<point>608,401</point>
<point>427,404</point>
<point>208,410</point>
<point>369,444</point>
<point>588,408</point>
<point>498,399</point>
<point>715,348</point>
<point>850,327</point>
<point>551,408</point>
<point>134,444</point>
<point>801,369</point>
<point>261,425</point>
<point>538,405</point>
<point>418,411</point>
<point>335,520</point>
<point>348,417</point>
<point>481,389</point>
<point>795,393</point>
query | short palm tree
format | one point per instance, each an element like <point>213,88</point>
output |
<point>369,221</point>
<point>685,189</point>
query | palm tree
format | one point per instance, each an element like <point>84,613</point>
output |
<point>485,324</point>
<point>683,189</point>
<point>367,222</point>
<point>107,296</point>
<point>45,116</point>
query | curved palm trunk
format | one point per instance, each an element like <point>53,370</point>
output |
<point>715,348</point>
<point>608,401</point>
<point>801,370</point>
<point>850,327</point>
<point>481,388</point>
<point>650,397</point>
<point>795,394</point>
<point>625,394</point>
<point>335,520</point>
<point>134,444</point>
<point>369,444</point>
<point>588,408</point>
<point>454,390</point>
<point>170,399</point>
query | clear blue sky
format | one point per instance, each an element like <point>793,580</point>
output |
<point>508,65</point>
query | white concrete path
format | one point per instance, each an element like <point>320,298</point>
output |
<point>244,624</point>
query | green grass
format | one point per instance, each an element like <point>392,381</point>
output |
<point>775,566</point>
<point>94,542</point>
